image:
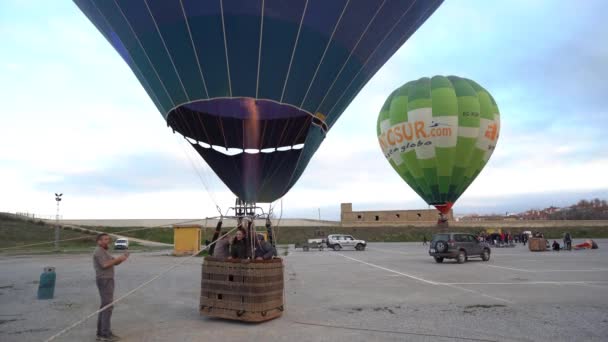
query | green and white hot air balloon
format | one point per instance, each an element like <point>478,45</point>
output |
<point>438,134</point>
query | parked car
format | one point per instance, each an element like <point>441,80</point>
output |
<point>319,244</point>
<point>121,243</point>
<point>339,241</point>
<point>459,246</point>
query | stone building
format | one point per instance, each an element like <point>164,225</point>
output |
<point>348,216</point>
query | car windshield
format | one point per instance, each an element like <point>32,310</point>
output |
<point>121,241</point>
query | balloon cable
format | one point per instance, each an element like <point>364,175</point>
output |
<point>199,174</point>
<point>85,230</point>
<point>119,299</point>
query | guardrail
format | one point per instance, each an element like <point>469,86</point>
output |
<point>35,216</point>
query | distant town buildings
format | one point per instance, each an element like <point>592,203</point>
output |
<point>595,209</point>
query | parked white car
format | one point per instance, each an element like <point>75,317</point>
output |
<point>121,243</point>
<point>339,241</point>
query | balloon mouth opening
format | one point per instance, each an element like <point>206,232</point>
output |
<point>444,208</point>
<point>232,126</point>
<point>255,147</point>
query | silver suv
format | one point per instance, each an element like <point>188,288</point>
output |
<point>338,241</point>
<point>459,246</point>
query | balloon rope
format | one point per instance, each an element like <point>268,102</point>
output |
<point>96,232</point>
<point>201,176</point>
<point>355,77</point>
<point>77,323</point>
<point>293,51</point>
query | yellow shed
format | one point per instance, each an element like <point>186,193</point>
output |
<point>186,239</point>
<point>493,230</point>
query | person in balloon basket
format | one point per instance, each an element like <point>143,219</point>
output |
<point>263,249</point>
<point>222,246</point>
<point>104,264</point>
<point>239,249</point>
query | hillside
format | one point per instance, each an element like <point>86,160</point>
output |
<point>18,232</point>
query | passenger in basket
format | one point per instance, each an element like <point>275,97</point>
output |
<point>263,249</point>
<point>238,249</point>
<point>222,246</point>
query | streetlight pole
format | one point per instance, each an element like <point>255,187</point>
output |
<point>58,200</point>
<point>319,214</point>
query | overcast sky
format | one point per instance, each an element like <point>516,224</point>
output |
<point>64,91</point>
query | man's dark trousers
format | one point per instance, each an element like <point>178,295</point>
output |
<point>106,292</point>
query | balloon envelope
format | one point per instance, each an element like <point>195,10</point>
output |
<point>438,133</point>
<point>255,76</point>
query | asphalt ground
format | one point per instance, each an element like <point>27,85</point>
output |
<point>390,292</point>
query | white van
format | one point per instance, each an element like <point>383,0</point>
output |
<point>121,243</point>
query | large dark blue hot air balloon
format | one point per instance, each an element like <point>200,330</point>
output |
<point>255,84</point>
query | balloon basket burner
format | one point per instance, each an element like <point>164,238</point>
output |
<point>249,291</point>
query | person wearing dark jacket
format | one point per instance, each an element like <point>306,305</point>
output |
<point>555,246</point>
<point>263,249</point>
<point>567,241</point>
<point>239,248</point>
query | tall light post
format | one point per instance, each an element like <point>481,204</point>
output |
<point>58,200</point>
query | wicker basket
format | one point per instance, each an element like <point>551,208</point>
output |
<point>537,244</point>
<point>250,291</point>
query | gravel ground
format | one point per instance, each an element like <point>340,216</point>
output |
<point>390,292</point>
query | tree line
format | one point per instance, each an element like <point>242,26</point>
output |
<point>594,209</point>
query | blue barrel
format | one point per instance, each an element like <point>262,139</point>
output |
<point>46,287</point>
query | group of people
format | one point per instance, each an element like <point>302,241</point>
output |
<point>567,243</point>
<point>239,247</point>
<point>498,238</point>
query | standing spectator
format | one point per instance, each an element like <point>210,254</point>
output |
<point>104,264</point>
<point>567,241</point>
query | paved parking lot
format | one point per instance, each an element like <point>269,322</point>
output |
<point>390,292</point>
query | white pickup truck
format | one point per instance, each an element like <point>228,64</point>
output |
<point>313,243</point>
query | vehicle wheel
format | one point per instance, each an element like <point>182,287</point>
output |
<point>441,246</point>
<point>485,256</point>
<point>462,257</point>
<point>337,247</point>
<point>438,260</point>
<point>360,247</point>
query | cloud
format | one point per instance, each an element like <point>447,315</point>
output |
<point>74,117</point>
<point>126,174</point>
